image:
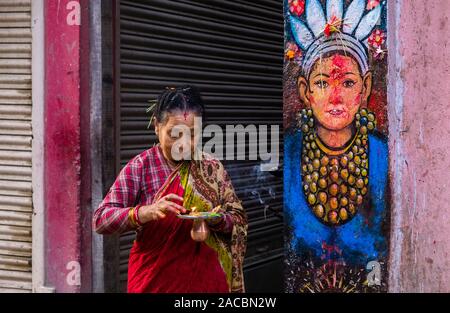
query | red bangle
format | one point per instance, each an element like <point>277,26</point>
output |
<point>136,215</point>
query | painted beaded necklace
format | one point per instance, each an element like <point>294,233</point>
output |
<point>335,183</point>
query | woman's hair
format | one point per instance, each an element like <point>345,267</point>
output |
<point>185,98</point>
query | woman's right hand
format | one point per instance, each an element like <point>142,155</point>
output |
<point>159,209</point>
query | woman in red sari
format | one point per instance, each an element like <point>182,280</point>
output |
<point>151,192</point>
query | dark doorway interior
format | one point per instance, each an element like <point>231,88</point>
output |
<point>233,51</point>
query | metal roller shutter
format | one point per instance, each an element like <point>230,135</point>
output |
<point>233,51</point>
<point>15,146</point>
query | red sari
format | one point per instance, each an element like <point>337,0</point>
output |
<point>173,262</point>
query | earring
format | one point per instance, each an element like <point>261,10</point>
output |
<point>306,120</point>
<point>365,121</point>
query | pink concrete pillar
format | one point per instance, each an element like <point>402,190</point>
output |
<point>66,63</point>
<point>419,120</point>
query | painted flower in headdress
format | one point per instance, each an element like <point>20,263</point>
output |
<point>297,7</point>
<point>377,38</point>
<point>372,4</point>
<point>348,30</point>
<point>333,26</point>
<point>292,52</point>
<point>379,53</point>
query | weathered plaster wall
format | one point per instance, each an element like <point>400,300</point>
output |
<point>419,118</point>
<point>66,170</point>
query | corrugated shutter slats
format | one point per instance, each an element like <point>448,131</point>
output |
<point>15,146</point>
<point>233,51</point>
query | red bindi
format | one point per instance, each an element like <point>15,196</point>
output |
<point>340,66</point>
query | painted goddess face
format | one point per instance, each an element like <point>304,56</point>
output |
<point>335,90</point>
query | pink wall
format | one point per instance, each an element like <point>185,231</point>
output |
<point>65,94</point>
<point>420,145</point>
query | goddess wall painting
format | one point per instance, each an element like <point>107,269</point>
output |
<point>336,154</point>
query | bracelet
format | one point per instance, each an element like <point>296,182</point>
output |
<point>136,215</point>
<point>131,218</point>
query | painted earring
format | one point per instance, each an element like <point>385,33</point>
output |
<point>306,120</point>
<point>365,121</point>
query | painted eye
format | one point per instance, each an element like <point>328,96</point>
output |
<point>321,84</point>
<point>349,83</point>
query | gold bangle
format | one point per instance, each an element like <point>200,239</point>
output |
<point>131,218</point>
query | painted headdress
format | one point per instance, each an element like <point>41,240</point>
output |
<point>333,29</point>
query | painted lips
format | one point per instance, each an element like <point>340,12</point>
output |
<point>336,112</point>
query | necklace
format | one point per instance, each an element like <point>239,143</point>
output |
<point>334,184</point>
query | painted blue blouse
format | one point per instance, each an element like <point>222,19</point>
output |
<point>360,240</point>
